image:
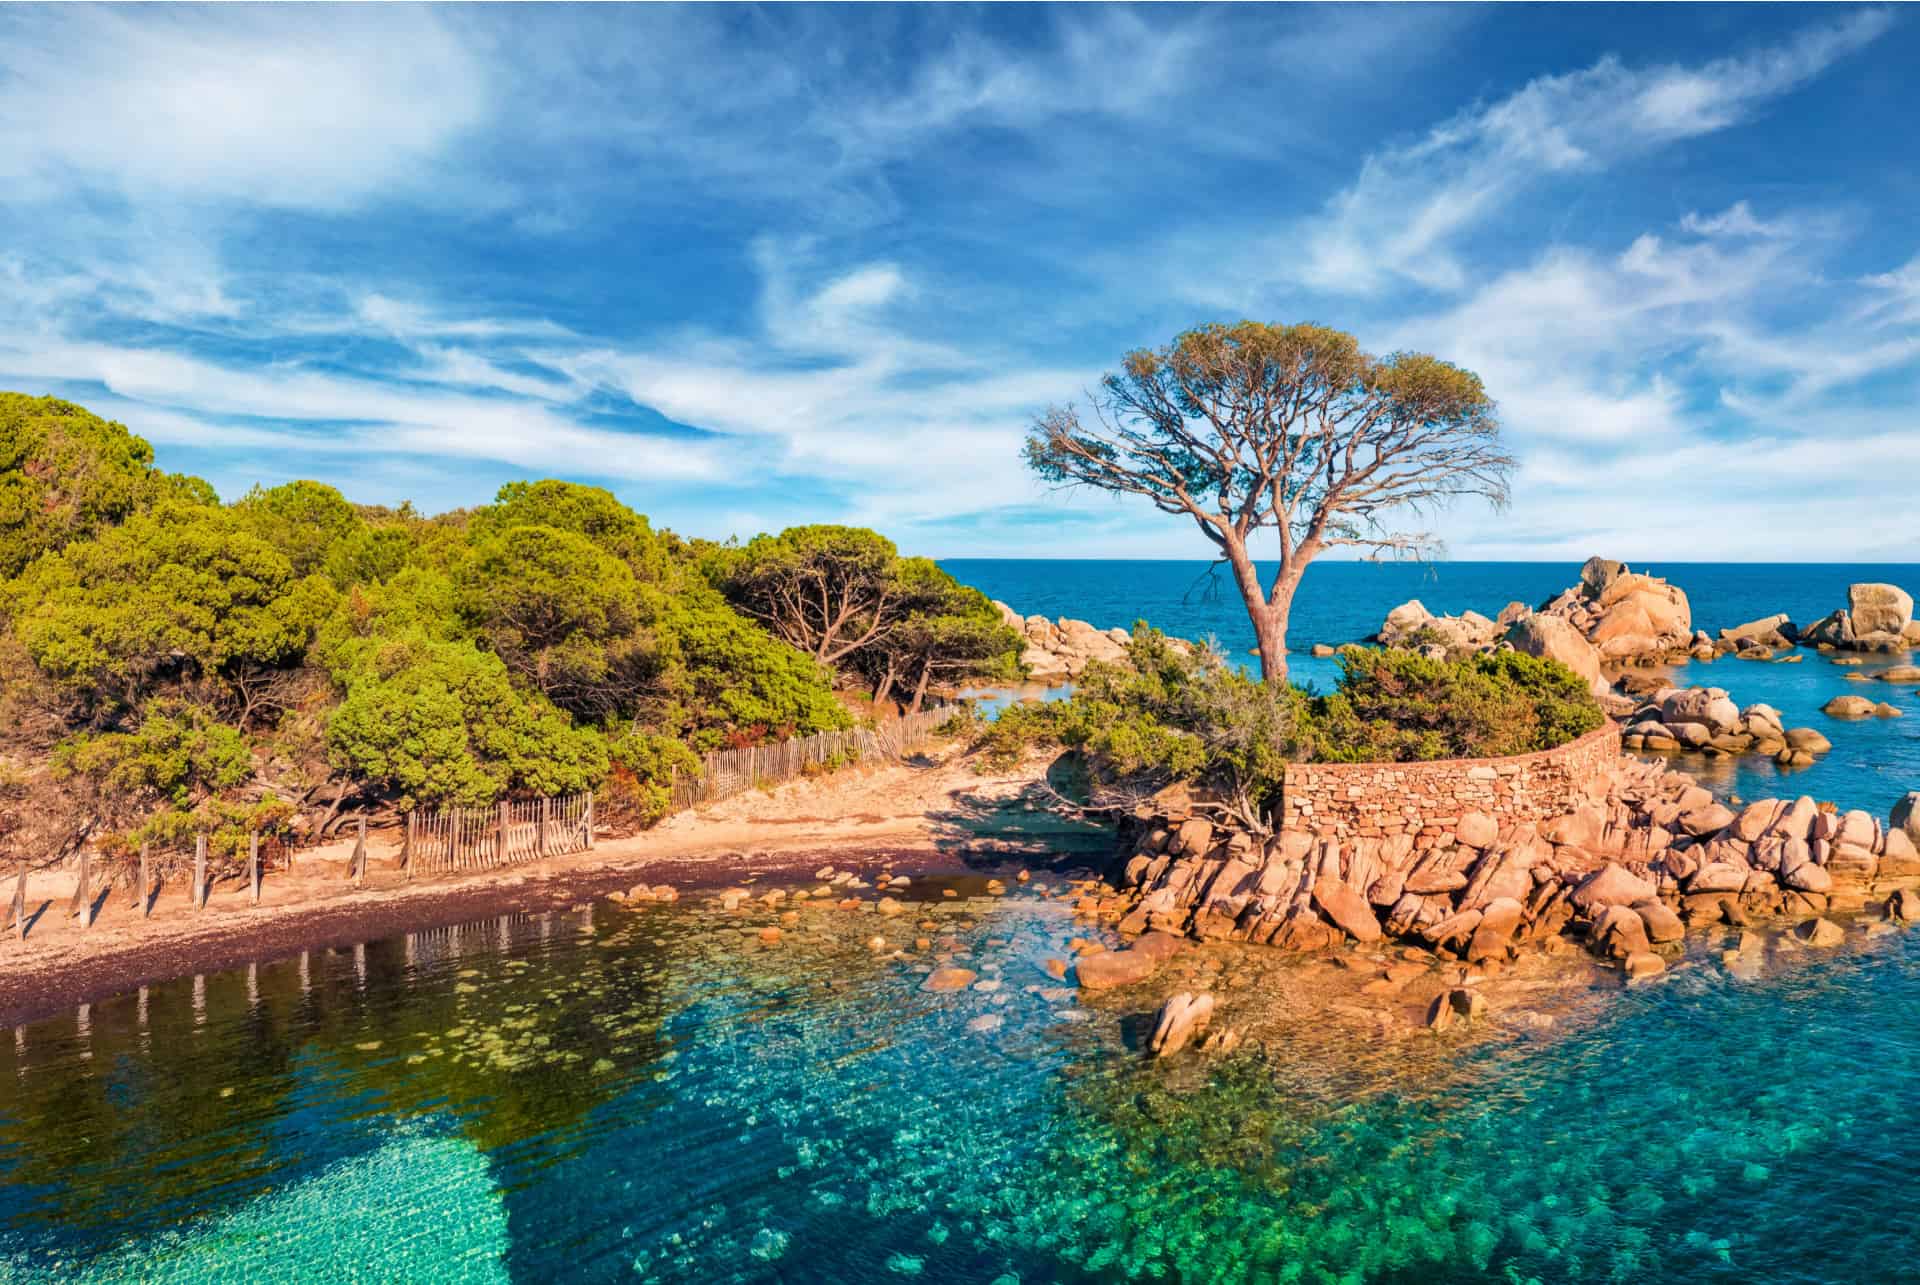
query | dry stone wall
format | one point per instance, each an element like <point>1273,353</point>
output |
<point>1430,800</point>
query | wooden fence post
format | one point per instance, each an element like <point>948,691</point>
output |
<point>360,854</point>
<point>81,902</point>
<point>20,904</point>
<point>540,833</point>
<point>406,845</point>
<point>145,886</point>
<point>500,835</point>
<point>589,821</point>
<point>199,872</point>
<point>253,863</point>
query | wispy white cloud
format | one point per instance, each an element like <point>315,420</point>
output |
<point>285,107</point>
<point>1400,217</point>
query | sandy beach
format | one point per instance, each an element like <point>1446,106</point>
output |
<point>932,813</point>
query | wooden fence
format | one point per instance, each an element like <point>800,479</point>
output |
<point>462,839</point>
<point>482,838</point>
<point>726,772</point>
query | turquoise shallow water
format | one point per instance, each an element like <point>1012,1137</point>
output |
<point>640,1094</point>
<point>1873,762</point>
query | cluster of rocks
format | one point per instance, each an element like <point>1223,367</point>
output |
<point>1706,719</point>
<point>1859,707</point>
<point>1877,618</point>
<point>1613,616</point>
<point>1650,852</point>
<point>1061,649</point>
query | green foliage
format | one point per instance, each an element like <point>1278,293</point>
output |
<point>65,474</point>
<point>180,590</point>
<point>441,723</point>
<point>726,681</point>
<point>1398,705</point>
<point>558,610</point>
<point>370,554</point>
<point>180,752</point>
<point>828,590</point>
<point>227,823</point>
<point>305,521</point>
<point>586,511</point>
<point>640,775</point>
<point>1169,715</point>
<point>166,643</point>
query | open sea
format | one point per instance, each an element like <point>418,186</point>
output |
<point>644,1093</point>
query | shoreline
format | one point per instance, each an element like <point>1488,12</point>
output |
<point>931,817</point>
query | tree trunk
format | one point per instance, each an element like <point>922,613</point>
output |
<point>885,689</point>
<point>920,692</point>
<point>1269,610</point>
<point>1269,625</point>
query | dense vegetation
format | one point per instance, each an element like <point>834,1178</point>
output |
<point>170,663</point>
<point>1173,714</point>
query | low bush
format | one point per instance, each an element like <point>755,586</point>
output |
<point>1172,714</point>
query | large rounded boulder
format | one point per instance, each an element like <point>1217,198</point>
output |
<point>1554,638</point>
<point>1640,615</point>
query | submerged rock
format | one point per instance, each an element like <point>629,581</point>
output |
<point>944,980</point>
<point>1183,1016</point>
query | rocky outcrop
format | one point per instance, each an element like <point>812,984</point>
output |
<point>1706,720</point>
<point>1628,617</point>
<point>1877,618</point>
<point>1060,649</point>
<point>1627,871</point>
<point>1623,616</point>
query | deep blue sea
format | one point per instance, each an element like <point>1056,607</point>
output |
<point>1873,761</point>
<point>646,1093</point>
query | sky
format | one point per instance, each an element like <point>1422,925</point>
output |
<point>755,267</point>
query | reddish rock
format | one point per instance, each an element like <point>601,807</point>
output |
<point>1477,830</point>
<point>1720,876</point>
<point>1195,835</point>
<point>1662,924</point>
<point>1705,820</point>
<point>1183,1016</point>
<point>1820,932</point>
<point>942,980</point>
<point>1348,909</point>
<point>1643,964</point>
<point>1619,931</point>
<point>1808,877</point>
<point>1611,885</point>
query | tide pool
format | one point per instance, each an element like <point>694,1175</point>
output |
<point>647,1094</point>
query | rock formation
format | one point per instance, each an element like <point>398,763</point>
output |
<point>1623,616</point>
<point>1877,617</point>
<point>1628,870</point>
<point>1060,649</point>
<point>1706,719</point>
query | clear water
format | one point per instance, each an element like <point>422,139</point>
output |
<point>1873,761</point>
<point>643,1094</point>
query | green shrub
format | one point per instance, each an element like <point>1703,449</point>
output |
<point>726,679</point>
<point>179,752</point>
<point>1169,715</point>
<point>1395,705</point>
<point>441,723</point>
<point>640,775</point>
<point>65,474</point>
<point>179,591</point>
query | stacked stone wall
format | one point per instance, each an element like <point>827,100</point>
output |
<point>1428,800</point>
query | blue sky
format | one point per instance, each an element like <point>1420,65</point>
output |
<point>749,267</point>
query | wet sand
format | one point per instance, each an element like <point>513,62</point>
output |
<point>931,815</point>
